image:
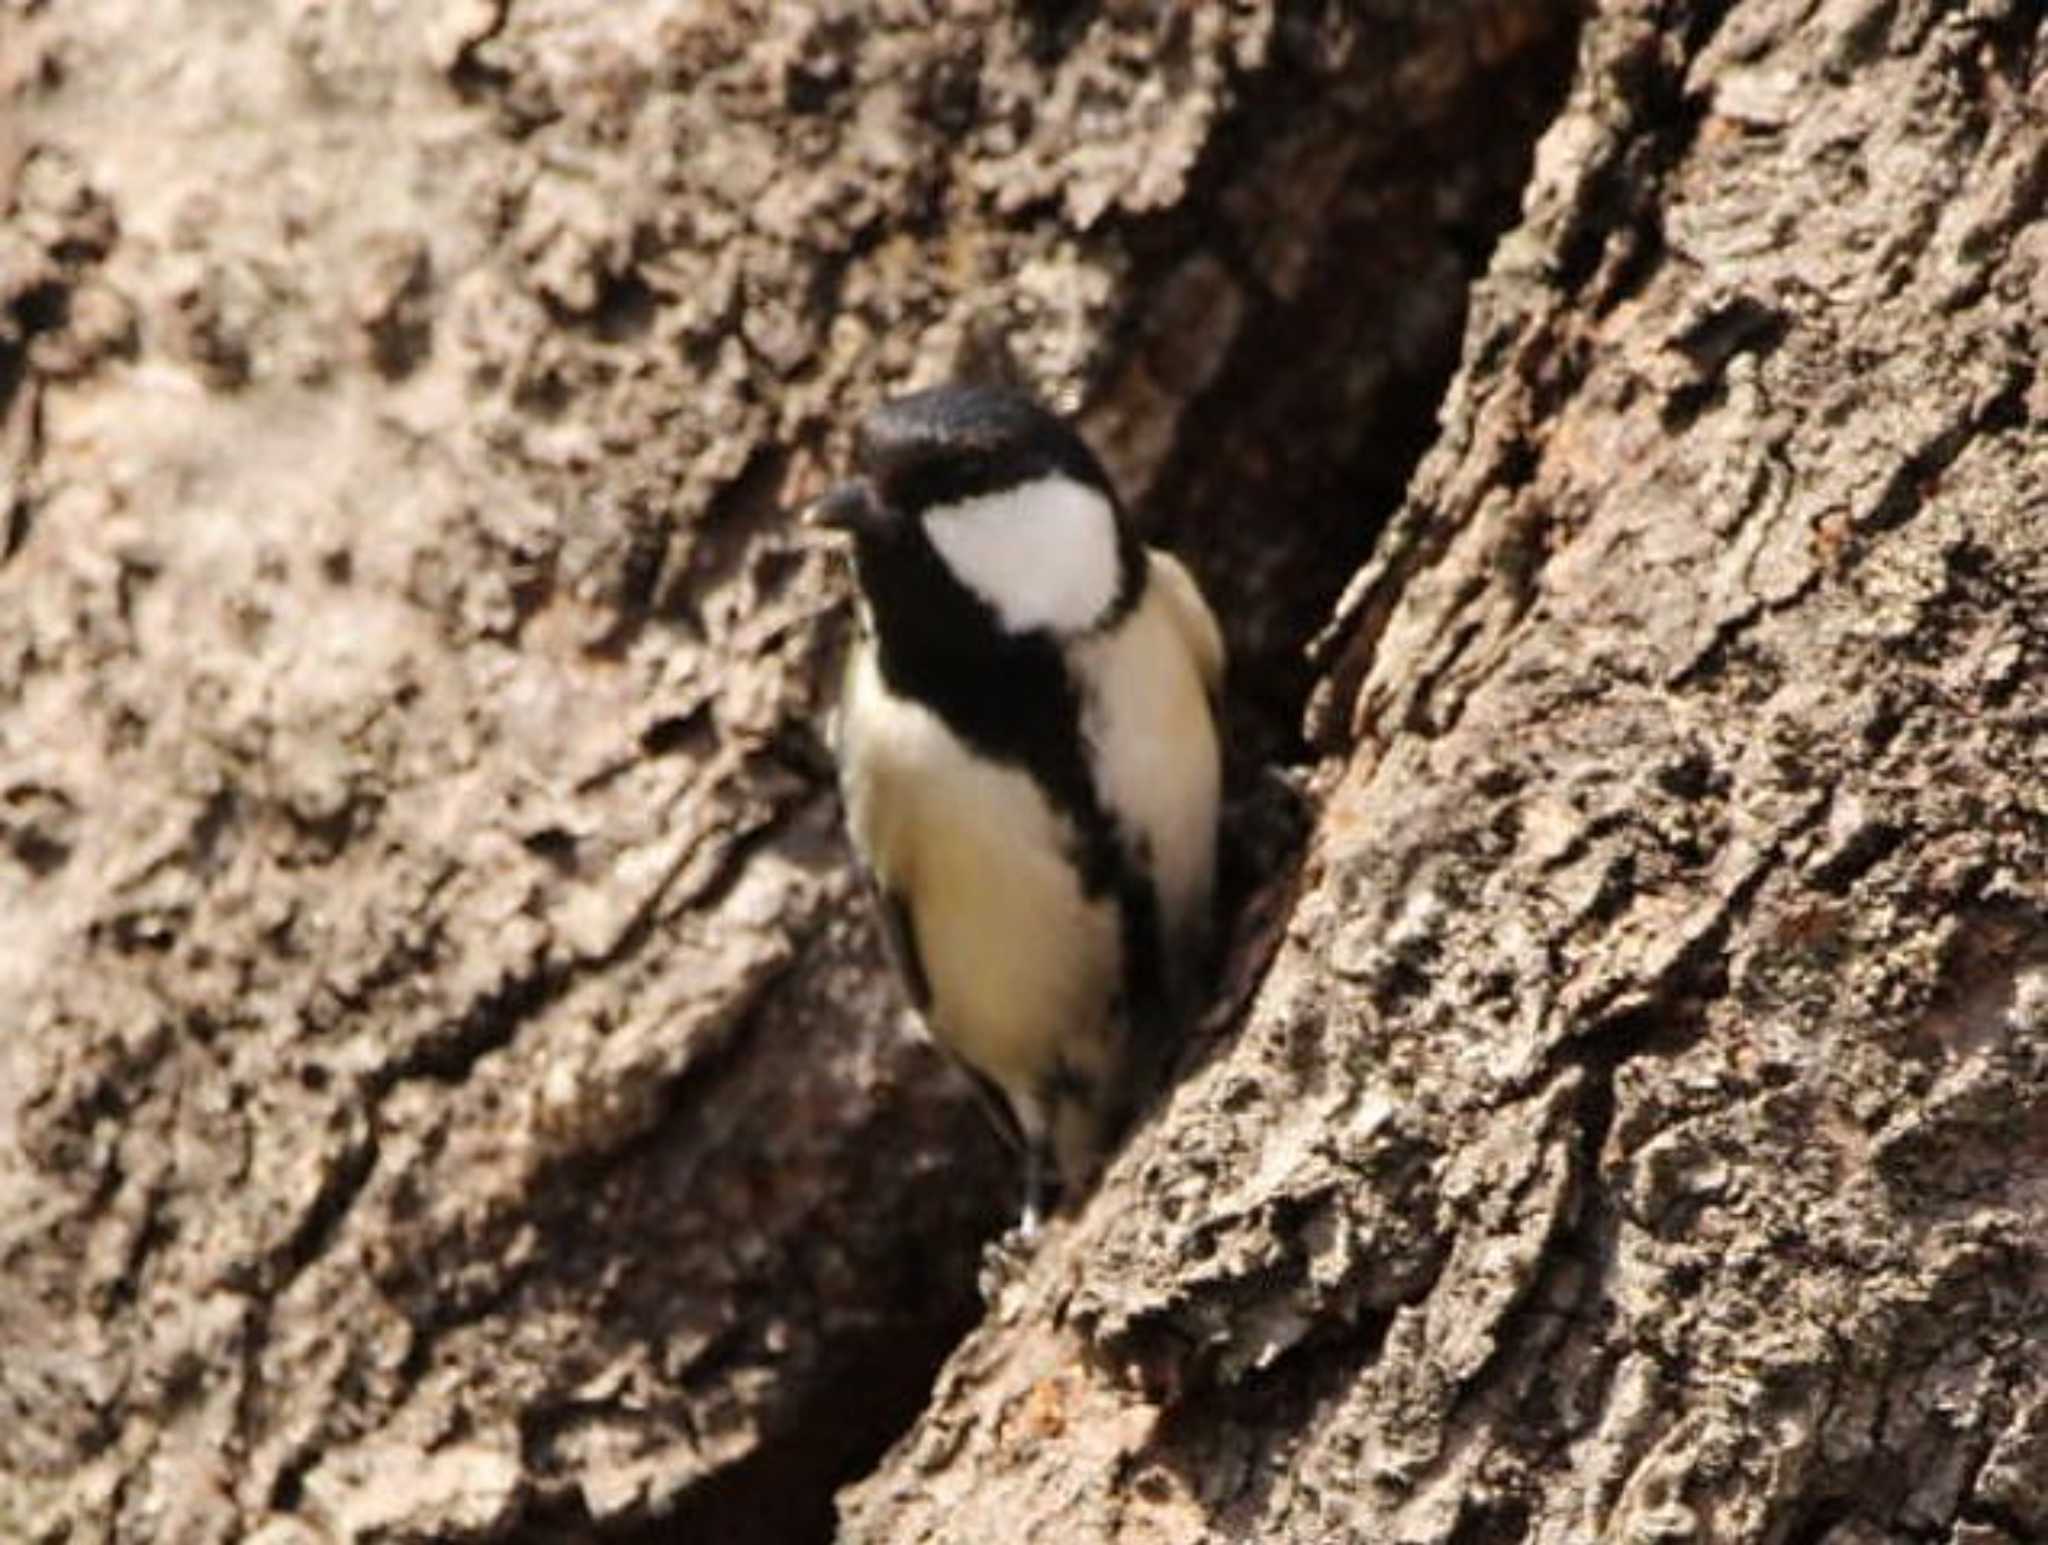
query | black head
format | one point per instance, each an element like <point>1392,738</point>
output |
<point>975,500</point>
<point>953,443</point>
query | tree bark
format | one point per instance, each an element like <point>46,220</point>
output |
<point>448,1090</point>
<point>1642,1132</point>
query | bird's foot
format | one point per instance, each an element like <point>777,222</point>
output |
<point>1004,1259</point>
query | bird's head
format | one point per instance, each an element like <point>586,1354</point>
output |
<point>977,495</point>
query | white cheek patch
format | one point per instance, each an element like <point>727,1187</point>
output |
<point>1042,555</point>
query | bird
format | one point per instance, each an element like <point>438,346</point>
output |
<point>1030,764</point>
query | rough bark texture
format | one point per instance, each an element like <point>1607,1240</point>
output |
<point>447,1090</point>
<point>1643,1132</point>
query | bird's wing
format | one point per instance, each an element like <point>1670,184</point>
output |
<point>899,941</point>
<point>1192,619</point>
<point>858,770</point>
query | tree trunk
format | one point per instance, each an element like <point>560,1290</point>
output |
<point>1643,1132</point>
<point>447,1087</point>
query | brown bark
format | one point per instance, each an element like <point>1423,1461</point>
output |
<point>447,1089</point>
<point>1643,1133</point>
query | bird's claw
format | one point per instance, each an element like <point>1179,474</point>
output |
<point>1004,1259</point>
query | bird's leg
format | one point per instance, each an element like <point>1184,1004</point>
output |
<point>1037,1167</point>
<point>1005,1259</point>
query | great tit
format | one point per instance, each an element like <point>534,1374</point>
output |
<point>1029,762</point>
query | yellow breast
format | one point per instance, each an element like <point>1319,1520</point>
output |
<point>1022,965</point>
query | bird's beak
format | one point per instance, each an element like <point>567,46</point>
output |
<point>849,507</point>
